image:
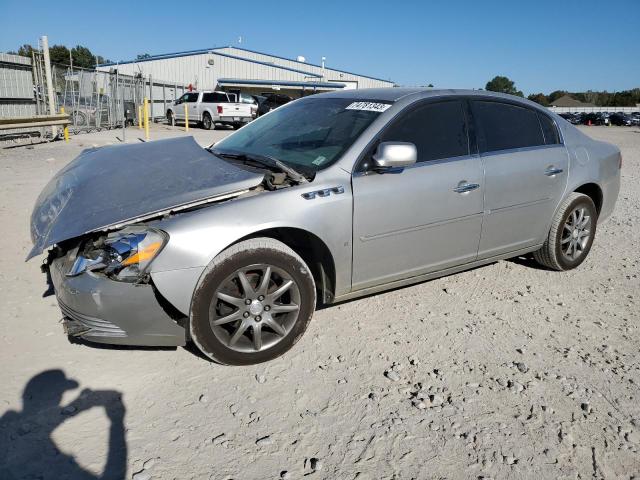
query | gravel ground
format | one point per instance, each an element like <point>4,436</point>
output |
<point>505,371</point>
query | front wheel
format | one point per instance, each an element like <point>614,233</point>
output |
<point>571,235</point>
<point>171,120</point>
<point>253,303</point>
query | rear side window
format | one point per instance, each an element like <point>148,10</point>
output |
<point>551,136</point>
<point>214,97</point>
<point>438,130</point>
<point>503,126</point>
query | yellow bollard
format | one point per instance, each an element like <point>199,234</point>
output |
<point>186,118</point>
<point>140,117</point>
<point>146,118</point>
<point>65,128</point>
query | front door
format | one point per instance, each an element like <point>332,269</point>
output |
<point>525,175</point>
<point>428,216</point>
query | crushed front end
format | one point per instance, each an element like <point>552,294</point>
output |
<point>106,295</point>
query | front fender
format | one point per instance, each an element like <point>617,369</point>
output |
<point>196,237</point>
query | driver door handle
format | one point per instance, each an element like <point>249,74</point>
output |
<point>551,171</point>
<point>466,187</point>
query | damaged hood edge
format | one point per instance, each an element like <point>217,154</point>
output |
<point>150,216</point>
<point>113,186</point>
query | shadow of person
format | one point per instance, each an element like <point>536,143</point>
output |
<point>27,449</point>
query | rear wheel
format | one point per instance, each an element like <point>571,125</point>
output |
<point>571,235</point>
<point>207,123</point>
<point>253,303</point>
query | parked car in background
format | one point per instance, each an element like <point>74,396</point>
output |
<point>592,118</point>
<point>573,118</point>
<point>271,101</point>
<point>621,119</point>
<point>210,109</point>
<point>331,197</point>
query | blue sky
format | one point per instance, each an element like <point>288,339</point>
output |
<point>542,45</point>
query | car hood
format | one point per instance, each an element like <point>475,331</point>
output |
<point>108,187</point>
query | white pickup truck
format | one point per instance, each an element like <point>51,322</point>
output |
<point>210,109</point>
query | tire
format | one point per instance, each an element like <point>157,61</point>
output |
<point>79,119</point>
<point>171,120</point>
<point>232,341</point>
<point>207,123</point>
<point>556,252</point>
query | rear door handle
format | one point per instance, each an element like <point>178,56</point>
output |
<point>551,171</point>
<point>464,187</point>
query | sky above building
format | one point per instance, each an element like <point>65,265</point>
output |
<point>542,45</point>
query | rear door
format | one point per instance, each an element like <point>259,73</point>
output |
<point>525,167</point>
<point>427,217</point>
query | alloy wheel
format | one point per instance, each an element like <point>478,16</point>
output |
<point>576,233</point>
<point>254,308</point>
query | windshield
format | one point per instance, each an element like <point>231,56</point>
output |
<point>311,133</point>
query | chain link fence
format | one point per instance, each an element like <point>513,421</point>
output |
<point>93,99</point>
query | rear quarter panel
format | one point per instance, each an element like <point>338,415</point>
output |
<point>592,161</point>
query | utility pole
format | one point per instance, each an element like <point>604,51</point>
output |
<point>47,74</point>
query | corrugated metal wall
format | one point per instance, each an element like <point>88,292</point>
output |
<point>197,70</point>
<point>330,74</point>
<point>16,86</point>
<point>203,70</point>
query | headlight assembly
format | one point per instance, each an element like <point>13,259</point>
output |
<point>124,255</point>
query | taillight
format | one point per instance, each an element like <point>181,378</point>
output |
<point>219,109</point>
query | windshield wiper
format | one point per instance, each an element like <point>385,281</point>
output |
<point>264,161</point>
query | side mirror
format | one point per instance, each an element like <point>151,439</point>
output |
<point>390,155</point>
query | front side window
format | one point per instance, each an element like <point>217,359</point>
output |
<point>503,126</point>
<point>190,97</point>
<point>438,130</point>
<point>311,133</point>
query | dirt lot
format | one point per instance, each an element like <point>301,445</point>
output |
<point>506,371</point>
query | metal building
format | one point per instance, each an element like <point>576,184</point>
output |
<point>238,69</point>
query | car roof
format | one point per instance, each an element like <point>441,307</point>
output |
<point>393,94</point>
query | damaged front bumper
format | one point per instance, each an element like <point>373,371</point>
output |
<point>98,309</point>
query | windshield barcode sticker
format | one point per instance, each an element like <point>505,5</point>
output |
<point>369,106</point>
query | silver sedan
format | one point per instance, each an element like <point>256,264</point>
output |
<point>328,198</point>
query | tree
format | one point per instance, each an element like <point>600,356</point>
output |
<point>142,56</point>
<point>25,50</point>
<point>502,85</point>
<point>540,98</point>
<point>59,54</point>
<point>553,96</point>
<point>82,57</point>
